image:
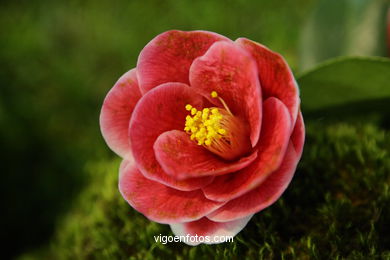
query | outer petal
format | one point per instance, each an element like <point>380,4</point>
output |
<point>298,135</point>
<point>275,75</point>
<point>159,202</point>
<point>272,146</point>
<point>232,72</point>
<point>262,196</point>
<point>272,188</point>
<point>168,57</point>
<point>211,232</point>
<point>160,110</point>
<point>183,158</point>
<point>116,113</point>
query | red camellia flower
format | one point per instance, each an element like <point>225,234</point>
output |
<point>209,129</point>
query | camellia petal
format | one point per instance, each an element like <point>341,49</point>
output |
<point>276,78</point>
<point>159,202</point>
<point>232,73</point>
<point>116,112</point>
<point>211,232</point>
<point>262,196</point>
<point>272,188</point>
<point>158,111</point>
<point>298,135</point>
<point>183,158</point>
<point>272,146</point>
<point>168,57</point>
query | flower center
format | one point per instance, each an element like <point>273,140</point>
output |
<point>218,130</point>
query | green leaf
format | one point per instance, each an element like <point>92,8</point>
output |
<point>344,27</point>
<point>346,86</point>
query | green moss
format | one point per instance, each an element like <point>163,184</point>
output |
<point>336,207</point>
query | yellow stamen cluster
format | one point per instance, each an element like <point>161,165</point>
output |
<point>218,130</point>
<point>204,125</point>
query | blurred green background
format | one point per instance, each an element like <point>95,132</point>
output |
<point>58,60</point>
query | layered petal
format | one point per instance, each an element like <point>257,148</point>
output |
<point>168,57</point>
<point>211,232</point>
<point>272,146</point>
<point>272,188</point>
<point>183,158</point>
<point>262,196</point>
<point>159,202</point>
<point>160,110</point>
<point>232,72</point>
<point>116,112</point>
<point>298,135</point>
<point>276,78</point>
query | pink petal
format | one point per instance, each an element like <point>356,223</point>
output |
<point>262,196</point>
<point>158,202</point>
<point>160,110</point>
<point>272,188</point>
<point>168,57</point>
<point>232,72</point>
<point>116,113</point>
<point>183,158</point>
<point>275,75</point>
<point>272,146</point>
<point>211,232</point>
<point>298,135</point>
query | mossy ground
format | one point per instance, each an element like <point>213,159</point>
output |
<point>337,207</point>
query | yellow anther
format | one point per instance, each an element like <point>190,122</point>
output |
<point>210,135</point>
<point>218,130</point>
<point>203,125</point>
<point>214,94</point>
<point>221,131</point>
<point>205,113</point>
<point>193,111</point>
